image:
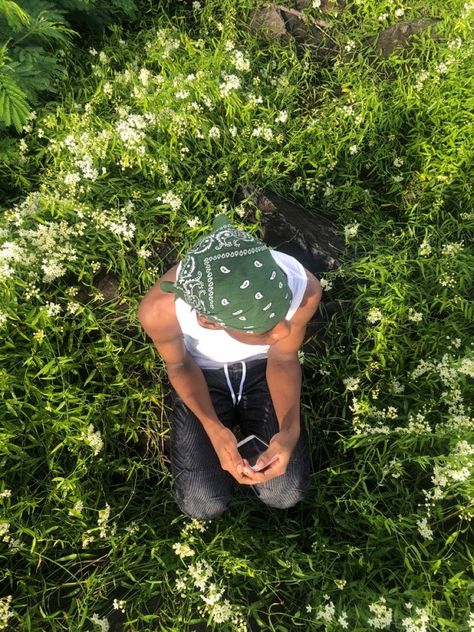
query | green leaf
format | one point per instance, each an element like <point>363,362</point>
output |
<point>14,108</point>
<point>15,16</point>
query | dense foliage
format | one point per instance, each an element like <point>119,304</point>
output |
<point>154,134</point>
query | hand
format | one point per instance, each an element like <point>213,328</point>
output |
<point>225,445</point>
<point>274,461</point>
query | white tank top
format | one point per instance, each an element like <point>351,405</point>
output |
<point>213,348</point>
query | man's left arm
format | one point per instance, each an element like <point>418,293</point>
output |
<point>284,383</point>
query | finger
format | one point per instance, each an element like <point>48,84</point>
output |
<point>266,458</point>
<point>259,466</point>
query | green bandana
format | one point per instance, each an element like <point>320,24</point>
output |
<point>231,278</point>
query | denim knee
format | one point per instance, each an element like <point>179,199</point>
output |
<point>285,500</point>
<point>202,508</point>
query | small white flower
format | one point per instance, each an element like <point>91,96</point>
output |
<point>282,117</point>
<point>398,162</point>
<point>424,529</point>
<point>316,4</point>
<point>325,284</point>
<point>425,249</point>
<point>399,12</point>
<point>351,383</point>
<point>193,223</point>
<point>353,150</point>
<point>119,604</point>
<point>214,132</point>
<point>414,316</point>
<point>349,46</point>
<point>196,5</point>
<point>374,315</point>
<point>350,231</point>
<point>103,624</point>
<point>382,618</point>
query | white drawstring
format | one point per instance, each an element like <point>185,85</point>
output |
<point>236,400</point>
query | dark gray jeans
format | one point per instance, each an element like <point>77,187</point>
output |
<point>202,488</point>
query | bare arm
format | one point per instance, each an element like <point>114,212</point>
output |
<point>157,316</point>
<point>284,382</point>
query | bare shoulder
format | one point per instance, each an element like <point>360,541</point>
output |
<point>310,301</point>
<point>157,312</point>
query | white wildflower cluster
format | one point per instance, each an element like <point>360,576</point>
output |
<point>351,383</point>
<point>449,370</point>
<point>85,149</point>
<point>349,46</point>
<point>452,249</point>
<point>239,60</point>
<point>116,221</point>
<point>52,309</point>
<point>165,43</point>
<point>414,316</point>
<point>6,612</point>
<point>218,609</point>
<point>350,231</point>
<point>229,83</point>
<point>77,509</point>
<point>182,550</point>
<point>467,367</point>
<point>101,623</point>
<point>424,529</point>
<point>3,318</point>
<point>103,519</point>
<point>214,132</point>
<point>119,604</point>
<point>447,279</point>
<point>5,530</point>
<point>325,284</point>
<point>417,623</point>
<point>263,132</point>
<point>353,150</point>
<point>425,248</point>
<point>93,439</point>
<point>382,615</point>
<point>25,209</point>
<point>171,199</point>
<point>6,493</point>
<point>282,117</point>
<point>327,612</point>
<point>47,248</point>
<point>131,130</point>
<point>11,253</point>
<point>374,316</point>
<point>194,222</point>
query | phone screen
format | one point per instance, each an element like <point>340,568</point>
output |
<point>251,448</point>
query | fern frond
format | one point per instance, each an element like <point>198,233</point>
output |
<point>14,108</point>
<point>15,16</point>
<point>47,30</point>
<point>35,70</point>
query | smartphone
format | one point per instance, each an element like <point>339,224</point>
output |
<point>251,448</point>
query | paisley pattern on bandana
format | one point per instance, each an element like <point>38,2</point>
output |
<point>231,278</point>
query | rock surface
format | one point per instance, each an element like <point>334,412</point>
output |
<point>398,35</point>
<point>303,234</point>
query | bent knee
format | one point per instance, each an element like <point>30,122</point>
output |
<point>203,508</point>
<point>284,501</point>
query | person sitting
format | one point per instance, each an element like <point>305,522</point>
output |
<point>228,321</point>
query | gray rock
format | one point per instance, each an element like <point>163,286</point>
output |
<point>306,235</point>
<point>398,35</point>
<point>269,21</point>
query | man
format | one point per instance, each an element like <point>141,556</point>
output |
<point>228,321</point>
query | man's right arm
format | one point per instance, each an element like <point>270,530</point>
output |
<point>157,316</point>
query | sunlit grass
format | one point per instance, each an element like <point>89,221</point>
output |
<point>155,134</point>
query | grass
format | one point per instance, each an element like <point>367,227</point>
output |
<point>115,182</point>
